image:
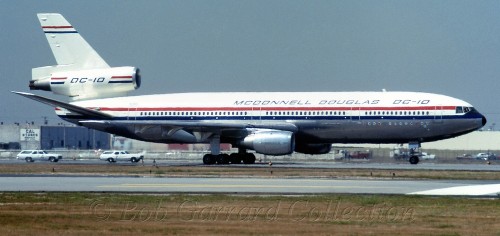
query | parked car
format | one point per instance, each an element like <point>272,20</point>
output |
<point>486,156</point>
<point>116,155</point>
<point>38,155</point>
<point>359,155</point>
<point>465,157</point>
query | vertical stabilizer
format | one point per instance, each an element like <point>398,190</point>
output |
<point>80,72</point>
<point>68,47</point>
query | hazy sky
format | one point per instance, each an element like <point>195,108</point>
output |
<point>447,47</point>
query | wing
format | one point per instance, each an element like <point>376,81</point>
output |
<point>183,131</point>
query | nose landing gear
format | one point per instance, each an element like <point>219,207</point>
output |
<point>414,152</point>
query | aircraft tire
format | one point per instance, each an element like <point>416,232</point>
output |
<point>414,160</point>
<point>209,159</point>
<point>235,158</point>
<point>223,159</point>
<point>249,158</point>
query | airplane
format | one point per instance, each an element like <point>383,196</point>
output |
<point>269,123</point>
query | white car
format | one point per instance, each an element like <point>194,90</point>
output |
<point>39,155</point>
<point>114,156</point>
<point>485,156</point>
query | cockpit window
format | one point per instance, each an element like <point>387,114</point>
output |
<point>460,110</point>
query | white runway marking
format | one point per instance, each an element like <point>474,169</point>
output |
<point>471,190</point>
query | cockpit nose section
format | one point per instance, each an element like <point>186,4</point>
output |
<point>473,113</point>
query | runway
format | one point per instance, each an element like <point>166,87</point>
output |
<point>255,185</point>
<point>240,185</point>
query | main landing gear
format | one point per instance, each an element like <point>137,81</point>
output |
<point>224,159</point>
<point>215,157</point>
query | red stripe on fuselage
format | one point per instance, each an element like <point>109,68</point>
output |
<point>424,108</point>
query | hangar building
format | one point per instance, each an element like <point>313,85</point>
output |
<point>17,136</point>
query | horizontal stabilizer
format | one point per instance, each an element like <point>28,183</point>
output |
<point>73,108</point>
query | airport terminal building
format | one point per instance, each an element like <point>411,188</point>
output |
<point>16,136</point>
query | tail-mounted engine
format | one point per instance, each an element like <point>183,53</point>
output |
<point>87,84</point>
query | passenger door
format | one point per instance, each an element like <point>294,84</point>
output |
<point>438,114</point>
<point>356,114</point>
<point>132,111</point>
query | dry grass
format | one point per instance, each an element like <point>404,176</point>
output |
<point>113,214</point>
<point>153,214</point>
<point>232,170</point>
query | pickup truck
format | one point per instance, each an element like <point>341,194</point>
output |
<point>40,155</point>
<point>427,156</point>
<point>114,156</point>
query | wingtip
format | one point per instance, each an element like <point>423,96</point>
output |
<point>22,93</point>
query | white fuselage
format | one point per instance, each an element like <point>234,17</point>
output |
<point>321,117</point>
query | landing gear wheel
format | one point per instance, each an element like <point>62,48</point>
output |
<point>249,158</point>
<point>414,160</point>
<point>223,159</point>
<point>235,158</point>
<point>209,159</point>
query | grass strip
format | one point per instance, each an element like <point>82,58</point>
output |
<point>157,214</point>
